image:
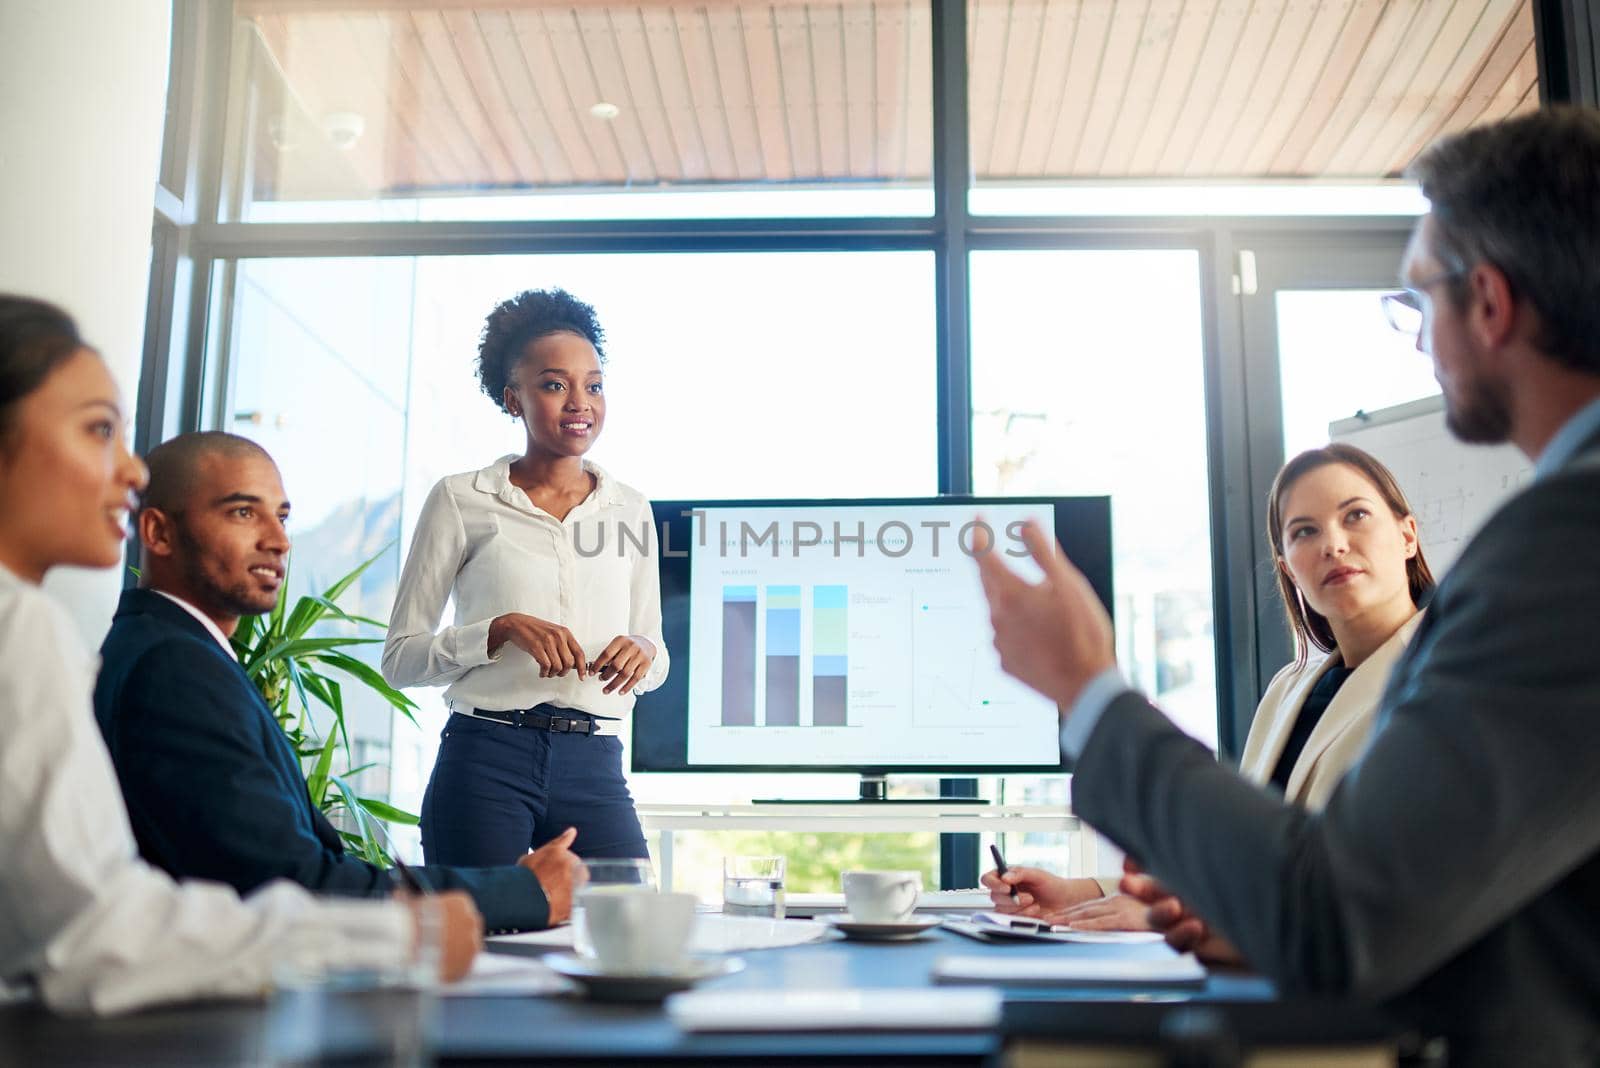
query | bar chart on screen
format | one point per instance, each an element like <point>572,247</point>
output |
<point>825,650</point>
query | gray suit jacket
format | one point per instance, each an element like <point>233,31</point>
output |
<point>1455,874</point>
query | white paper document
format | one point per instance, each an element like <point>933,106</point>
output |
<point>1070,969</point>
<point>504,975</point>
<point>976,1009</point>
<point>713,933</point>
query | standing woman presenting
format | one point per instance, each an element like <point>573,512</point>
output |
<point>552,566</point>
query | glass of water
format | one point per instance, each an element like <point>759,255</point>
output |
<point>753,886</point>
<point>607,875</point>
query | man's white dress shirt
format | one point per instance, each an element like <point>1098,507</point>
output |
<point>481,540</point>
<point>83,920</point>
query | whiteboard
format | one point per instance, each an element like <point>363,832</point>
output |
<point>1453,487</point>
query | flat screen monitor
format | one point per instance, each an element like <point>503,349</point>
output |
<point>849,635</point>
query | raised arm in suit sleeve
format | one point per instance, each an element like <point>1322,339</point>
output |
<point>1474,797</point>
<point>211,799</point>
<point>416,652</point>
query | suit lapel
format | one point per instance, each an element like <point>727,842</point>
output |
<point>1260,768</point>
<point>1349,706</point>
<point>277,747</point>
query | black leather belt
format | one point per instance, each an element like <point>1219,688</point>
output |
<point>539,721</point>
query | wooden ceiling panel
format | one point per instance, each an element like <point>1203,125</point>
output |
<point>442,56</point>
<point>1277,70</point>
<point>724,29</point>
<point>1173,150</point>
<point>1192,35</point>
<point>987,41</point>
<point>858,35</point>
<point>1334,87</point>
<point>916,158</point>
<point>1153,52</point>
<point>763,68</point>
<point>1079,76</point>
<point>663,54</point>
<point>1383,110</point>
<point>825,45</point>
<point>534,123</point>
<point>1324,27</point>
<point>1442,75</point>
<point>462,95</point>
<point>1124,47</point>
<point>1058,27</point>
<point>499,117</point>
<point>1240,89</point>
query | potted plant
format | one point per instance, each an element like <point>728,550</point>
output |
<point>296,672</point>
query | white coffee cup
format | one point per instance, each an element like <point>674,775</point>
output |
<point>637,931</point>
<point>881,896</point>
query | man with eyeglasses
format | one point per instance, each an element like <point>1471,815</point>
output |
<point>1455,875</point>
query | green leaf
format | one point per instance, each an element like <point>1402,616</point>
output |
<point>297,648</point>
<point>317,781</point>
<point>275,618</point>
<point>366,673</point>
<point>340,613</point>
<point>333,592</point>
<point>388,813</point>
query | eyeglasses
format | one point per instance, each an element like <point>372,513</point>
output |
<point>1407,308</point>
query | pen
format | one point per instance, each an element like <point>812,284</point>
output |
<point>409,877</point>
<point>1000,866</point>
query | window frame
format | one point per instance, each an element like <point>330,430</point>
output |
<point>196,247</point>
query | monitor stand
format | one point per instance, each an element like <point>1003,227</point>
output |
<point>874,791</point>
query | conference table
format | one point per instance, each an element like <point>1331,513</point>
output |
<point>572,1030</point>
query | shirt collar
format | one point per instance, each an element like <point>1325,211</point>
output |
<point>205,621</point>
<point>496,479</point>
<point>1568,440</point>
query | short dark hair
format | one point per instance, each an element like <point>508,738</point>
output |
<point>527,316</point>
<point>173,464</point>
<point>35,339</point>
<point>1310,627</point>
<point>1524,195</point>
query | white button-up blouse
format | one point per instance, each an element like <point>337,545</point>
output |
<point>83,921</point>
<point>481,540</point>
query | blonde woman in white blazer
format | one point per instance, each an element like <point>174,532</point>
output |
<point>1353,579</point>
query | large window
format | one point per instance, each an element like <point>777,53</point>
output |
<point>1079,388</point>
<point>883,248</point>
<point>728,375</point>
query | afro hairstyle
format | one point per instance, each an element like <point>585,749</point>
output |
<point>530,315</point>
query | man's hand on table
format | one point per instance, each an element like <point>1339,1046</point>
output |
<point>559,872</point>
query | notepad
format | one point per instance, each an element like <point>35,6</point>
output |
<point>1165,969</point>
<point>977,1009</point>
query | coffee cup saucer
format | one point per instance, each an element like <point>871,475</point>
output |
<point>892,931</point>
<point>605,985</point>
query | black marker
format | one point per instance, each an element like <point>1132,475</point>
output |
<point>1000,866</point>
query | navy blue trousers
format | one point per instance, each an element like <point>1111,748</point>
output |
<point>498,791</point>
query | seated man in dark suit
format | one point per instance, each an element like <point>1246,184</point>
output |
<point>214,789</point>
<point>1454,874</point>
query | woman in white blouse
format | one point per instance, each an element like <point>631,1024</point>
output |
<point>83,921</point>
<point>551,564</point>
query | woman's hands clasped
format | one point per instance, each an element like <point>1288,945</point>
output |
<point>621,665</point>
<point>624,662</point>
<point>550,644</point>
